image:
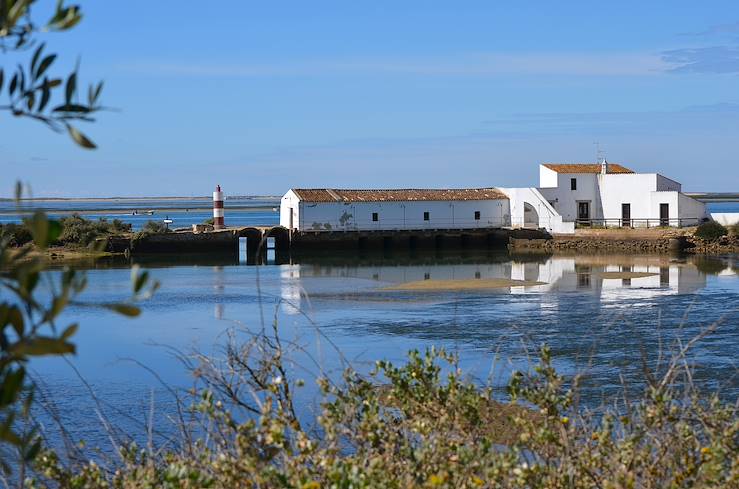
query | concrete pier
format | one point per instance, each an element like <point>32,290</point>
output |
<point>282,242</point>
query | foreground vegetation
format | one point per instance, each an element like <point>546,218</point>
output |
<point>77,233</point>
<point>422,424</point>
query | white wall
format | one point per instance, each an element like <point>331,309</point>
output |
<point>548,217</point>
<point>565,200</point>
<point>691,210</point>
<point>357,216</point>
<point>289,203</point>
<point>726,218</point>
<point>547,177</point>
<point>629,188</point>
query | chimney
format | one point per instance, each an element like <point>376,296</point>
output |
<point>603,165</point>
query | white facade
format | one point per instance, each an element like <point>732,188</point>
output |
<point>618,199</point>
<point>597,194</point>
<point>298,214</point>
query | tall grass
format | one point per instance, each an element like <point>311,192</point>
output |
<point>423,424</point>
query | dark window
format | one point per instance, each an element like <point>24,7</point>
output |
<point>426,276</point>
<point>477,215</point>
<point>375,217</point>
<point>664,276</point>
<point>583,276</point>
<point>477,274</point>
<point>573,183</point>
<point>426,216</point>
<point>626,282</point>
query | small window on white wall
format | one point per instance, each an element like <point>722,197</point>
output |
<point>477,215</point>
<point>426,216</point>
<point>573,183</point>
<point>375,217</point>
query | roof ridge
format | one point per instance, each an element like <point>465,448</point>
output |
<point>334,194</point>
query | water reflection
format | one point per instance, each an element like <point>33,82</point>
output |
<point>611,278</point>
<point>602,314</point>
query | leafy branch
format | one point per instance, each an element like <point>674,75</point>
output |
<point>31,88</point>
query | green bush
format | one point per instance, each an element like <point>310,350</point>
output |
<point>15,234</point>
<point>734,229</point>
<point>155,227</point>
<point>710,231</point>
<point>78,231</point>
<point>423,424</point>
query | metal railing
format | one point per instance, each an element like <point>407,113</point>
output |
<point>652,222</point>
<point>403,224</point>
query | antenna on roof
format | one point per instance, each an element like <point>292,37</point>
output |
<point>599,153</point>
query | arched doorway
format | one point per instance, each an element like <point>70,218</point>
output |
<point>530,216</point>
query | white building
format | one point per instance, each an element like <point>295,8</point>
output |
<point>613,195</point>
<point>366,210</point>
<point>590,194</point>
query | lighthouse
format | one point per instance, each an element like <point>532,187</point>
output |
<point>218,208</point>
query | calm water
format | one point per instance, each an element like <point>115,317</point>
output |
<point>184,212</point>
<point>240,211</point>
<point>593,324</point>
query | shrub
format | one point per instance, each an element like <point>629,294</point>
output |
<point>210,221</point>
<point>422,424</point>
<point>710,231</point>
<point>15,234</point>
<point>155,227</point>
<point>77,230</point>
<point>734,229</point>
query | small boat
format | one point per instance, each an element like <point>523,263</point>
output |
<point>149,213</point>
<point>274,209</point>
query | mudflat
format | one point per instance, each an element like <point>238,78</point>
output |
<point>627,274</point>
<point>466,284</point>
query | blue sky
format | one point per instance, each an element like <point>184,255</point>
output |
<point>264,96</point>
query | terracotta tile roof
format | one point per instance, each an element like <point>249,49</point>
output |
<point>586,168</point>
<point>397,195</point>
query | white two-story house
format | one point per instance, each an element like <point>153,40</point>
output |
<point>613,195</point>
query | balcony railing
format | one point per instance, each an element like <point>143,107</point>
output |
<point>651,222</point>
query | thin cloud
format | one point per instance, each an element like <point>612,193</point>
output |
<point>480,64</point>
<point>715,30</point>
<point>703,60</point>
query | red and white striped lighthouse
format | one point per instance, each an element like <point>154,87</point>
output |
<point>218,208</point>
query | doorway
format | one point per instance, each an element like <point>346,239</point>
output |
<point>664,214</point>
<point>583,212</point>
<point>626,215</point>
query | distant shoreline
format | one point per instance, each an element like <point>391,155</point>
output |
<point>118,199</point>
<point>140,211</point>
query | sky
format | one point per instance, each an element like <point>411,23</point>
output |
<point>260,97</point>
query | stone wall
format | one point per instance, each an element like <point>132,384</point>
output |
<point>592,241</point>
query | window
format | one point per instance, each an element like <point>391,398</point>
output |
<point>426,276</point>
<point>573,183</point>
<point>477,274</point>
<point>375,217</point>
<point>477,215</point>
<point>426,216</point>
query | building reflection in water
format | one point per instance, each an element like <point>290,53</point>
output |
<point>611,277</point>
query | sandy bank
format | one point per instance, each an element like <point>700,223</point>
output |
<point>468,284</point>
<point>626,275</point>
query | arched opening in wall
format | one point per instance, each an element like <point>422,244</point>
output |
<point>249,240</point>
<point>530,216</point>
<point>277,244</point>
